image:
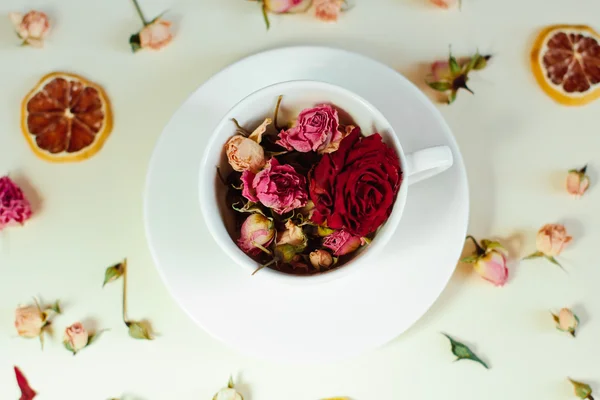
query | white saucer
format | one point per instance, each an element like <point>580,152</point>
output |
<point>333,320</point>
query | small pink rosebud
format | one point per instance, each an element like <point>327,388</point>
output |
<point>293,235</point>
<point>492,267</point>
<point>577,182</point>
<point>566,321</point>
<point>328,10</point>
<point>156,35</point>
<point>321,259</point>
<point>284,6</point>
<point>32,27</point>
<point>342,242</point>
<point>257,231</point>
<point>29,321</point>
<point>76,337</point>
<point>490,260</point>
<point>444,3</point>
<point>552,239</point>
<point>14,207</point>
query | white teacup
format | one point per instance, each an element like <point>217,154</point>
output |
<point>297,95</point>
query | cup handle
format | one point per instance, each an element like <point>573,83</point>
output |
<point>424,164</point>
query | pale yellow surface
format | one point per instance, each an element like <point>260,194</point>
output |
<point>517,144</point>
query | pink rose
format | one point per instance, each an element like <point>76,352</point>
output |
<point>32,27</point>
<point>14,207</point>
<point>156,35</point>
<point>315,130</point>
<point>492,266</point>
<point>578,182</point>
<point>328,10</point>
<point>277,186</point>
<point>551,239</point>
<point>284,6</point>
<point>76,337</point>
<point>256,230</point>
<point>342,242</point>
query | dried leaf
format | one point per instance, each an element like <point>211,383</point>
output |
<point>27,393</point>
<point>55,307</point>
<point>454,67</point>
<point>537,254</point>
<point>469,259</point>
<point>140,330</point>
<point>135,43</point>
<point>440,86</point>
<point>114,272</point>
<point>582,390</point>
<point>462,352</point>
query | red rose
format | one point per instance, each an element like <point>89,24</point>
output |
<point>355,187</point>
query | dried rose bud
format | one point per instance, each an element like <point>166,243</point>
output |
<point>287,6</point>
<point>30,321</point>
<point>286,252</point>
<point>257,232</point>
<point>32,27</point>
<point>244,154</point>
<point>14,207</point>
<point>489,261</point>
<point>293,235</point>
<point>552,239</point>
<point>321,259</point>
<point>156,35</point>
<point>578,182</point>
<point>451,76</point>
<point>342,242</point>
<point>328,10</point>
<point>566,321</point>
<point>76,337</point>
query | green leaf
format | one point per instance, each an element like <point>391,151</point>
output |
<point>440,86</point>
<point>454,67</point>
<point>134,42</point>
<point>462,352</point>
<point>68,347</point>
<point>230,384</point>
<point>555,317</point>
<point>55,307</point>
<point>452,97</point>
<point>469,259</point>
<point>553,261</point>
<point>537,254</point>
<point>114,272</point>
<point>324,231</point>
<point>582,390</point>
<point>140,330</point>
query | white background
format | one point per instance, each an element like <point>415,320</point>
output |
<point>517,146</point>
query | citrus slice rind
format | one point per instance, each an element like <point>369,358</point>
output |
<point>565,60</point>
<point>65,118</point>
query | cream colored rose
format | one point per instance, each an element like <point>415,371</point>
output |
<point>156,35</point>
<point>29,321</point>
<point>321,259</point>
<point>552,239</point>
<point>244,154</point>
<point>76,337</point>
<point>293,235</point>
<point>32,27</point>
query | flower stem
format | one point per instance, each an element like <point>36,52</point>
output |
<point>277,128</point>
<point>140,13</point>
<point>125,319</point>
<point>273,261</point>
<point>478,248</point>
